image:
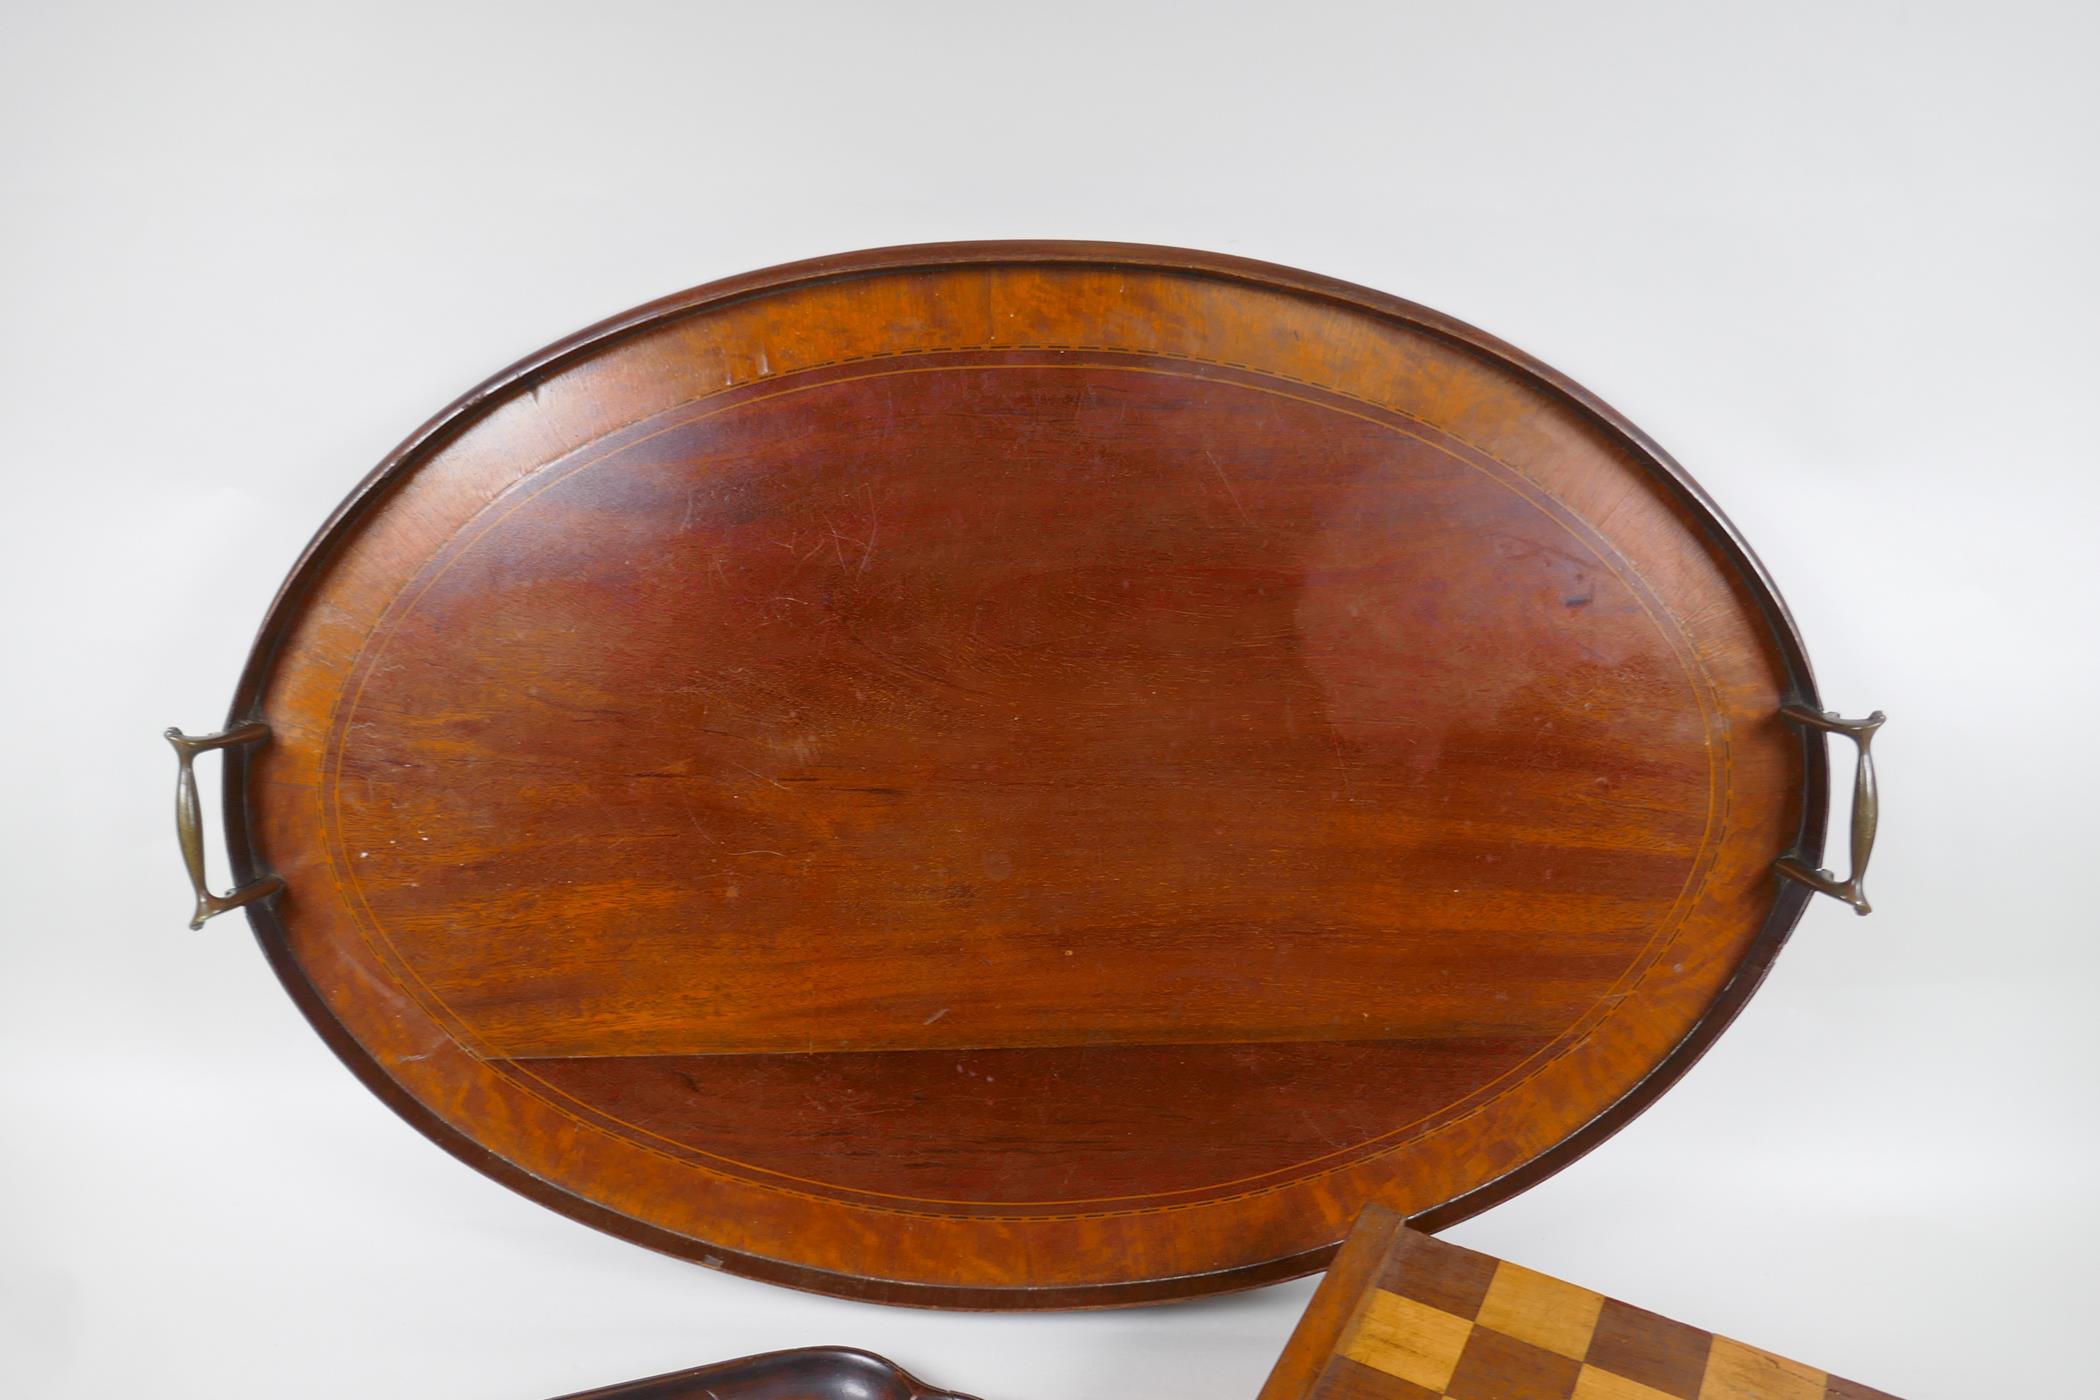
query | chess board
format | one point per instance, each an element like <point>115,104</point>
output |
<point>1404,1316</point>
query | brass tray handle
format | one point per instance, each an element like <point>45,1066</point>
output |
<point>189,819</point>
<point>1866,808</point>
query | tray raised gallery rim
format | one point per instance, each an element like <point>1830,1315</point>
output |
<point>525,377</point>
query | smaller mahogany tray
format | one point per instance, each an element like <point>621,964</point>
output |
<point>1403,1316</point>
<point>806,1373</point>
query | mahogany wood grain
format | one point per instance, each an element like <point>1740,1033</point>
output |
<point>1024,775</point>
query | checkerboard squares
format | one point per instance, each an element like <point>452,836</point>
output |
<point>1555,1316</point>
<point>1737,1372</point>
<point>1434,1321</point>
<point>1404,1338</point>
<point>1593,1384</point>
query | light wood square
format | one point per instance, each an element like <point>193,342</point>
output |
<point>1407,1339</point>
<point>1593,1384</point>
<point>1542,1311</point>
<point>1737,1372</point>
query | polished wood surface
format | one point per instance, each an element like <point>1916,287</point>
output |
<point>1403,1316</point>
<point>805,1373</point>
<point>1024,775</point>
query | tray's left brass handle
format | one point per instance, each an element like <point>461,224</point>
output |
<point>189,819</point>
<point>1866,808</point>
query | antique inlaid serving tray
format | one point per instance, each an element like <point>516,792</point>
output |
<point>1024,775</point>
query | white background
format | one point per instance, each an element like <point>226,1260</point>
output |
<point>1840,259</point>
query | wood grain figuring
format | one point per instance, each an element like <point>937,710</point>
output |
<point>839,700</point>
<point>1024,775</point>
<point>1414,1317</point>
<point>908,1123</point>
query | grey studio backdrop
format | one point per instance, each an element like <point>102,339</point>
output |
<point>1837,258</point>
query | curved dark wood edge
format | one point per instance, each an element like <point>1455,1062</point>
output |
<point>1750,974</point>
<point>836,1373</point>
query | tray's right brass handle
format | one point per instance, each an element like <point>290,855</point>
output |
<point>189,819</point>
<point>1866,808</point>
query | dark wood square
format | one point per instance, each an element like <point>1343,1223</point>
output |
<point>1444,1276</point>
<point>1351,1380</point>
<point>1496,1367</point>
<point>1647,1347</point>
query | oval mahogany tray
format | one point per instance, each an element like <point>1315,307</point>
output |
<point>1023,775</point>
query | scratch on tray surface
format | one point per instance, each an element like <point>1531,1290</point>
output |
<point>763,778</point>
<point>874,529</point>
<point>1229,490</point>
